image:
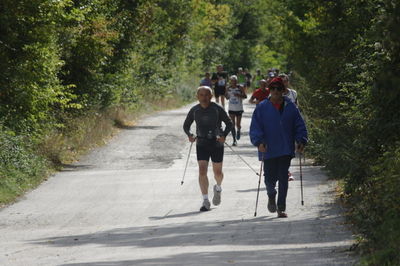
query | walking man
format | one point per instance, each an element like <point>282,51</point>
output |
<point>210,139</point>
<point>260,94</point>
<point>256,79</point>
<point>219,80</point>
<point>241,78</point>
<point>206,81</point>
<point>276,128</point>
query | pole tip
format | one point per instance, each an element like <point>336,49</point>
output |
<point>302,202</point>
<point>255,214</point>
<point>181,183</point>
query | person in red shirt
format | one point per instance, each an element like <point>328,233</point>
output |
<point>261,93</point>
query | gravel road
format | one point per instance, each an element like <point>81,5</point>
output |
<point>123,204</point>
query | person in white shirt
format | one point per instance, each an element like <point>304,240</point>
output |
<point>235,94</point>
<point>291,94</point>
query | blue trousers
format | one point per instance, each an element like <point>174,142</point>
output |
<point>276,169</point>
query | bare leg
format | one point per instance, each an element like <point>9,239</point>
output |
<point>223,102</point>
<point>233,128</point>
<point>232,117</point>
<point>238,121</point>
<point>218,174</point>
<point>203,179</point>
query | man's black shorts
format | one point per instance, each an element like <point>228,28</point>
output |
<point>219,91</point>
<point>214,150</point>
<point>236,113</point>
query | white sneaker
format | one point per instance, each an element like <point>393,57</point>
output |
<point>291,177</point>
<point>206,206</point>
<point>217,196</point>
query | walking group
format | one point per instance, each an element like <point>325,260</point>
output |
<point>277,129</point>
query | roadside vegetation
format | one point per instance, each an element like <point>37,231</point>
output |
<point>72,72</point>
<point>347,57</point>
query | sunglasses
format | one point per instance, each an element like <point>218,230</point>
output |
<point>276,88</point>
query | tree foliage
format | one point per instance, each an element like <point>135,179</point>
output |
<point>348,53</point>
<point>62,58</point>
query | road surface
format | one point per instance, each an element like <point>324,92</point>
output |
<point>123,204</point>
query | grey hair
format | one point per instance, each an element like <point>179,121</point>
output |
<point>204,88</point>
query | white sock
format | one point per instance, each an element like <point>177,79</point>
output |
<point>218,188</point>
<point>205,197</point>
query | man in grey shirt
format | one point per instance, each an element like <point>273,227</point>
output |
<point>210,139</point>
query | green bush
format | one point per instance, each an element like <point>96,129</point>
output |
<point>348,53</point>
<point>20,168</point>
<point>376,210</point>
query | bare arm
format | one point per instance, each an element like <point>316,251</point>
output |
<point>252,100</point>
<point>243,92</point>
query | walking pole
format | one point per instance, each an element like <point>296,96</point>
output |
<point>259,181</point>
<point>241,158</point>
<point>187,160</point>
<point>301,180</point>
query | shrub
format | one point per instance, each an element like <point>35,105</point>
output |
<point>20,168</point>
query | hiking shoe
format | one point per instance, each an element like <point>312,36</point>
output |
<point>234,143</point>
<point>206,206</point>
<point>217,196</point>
<point>238,134</point>
<point>291,178</point>
<point>271,204</point>
<point>282,214</point>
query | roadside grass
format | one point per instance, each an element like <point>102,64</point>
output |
<point>24,166</point>
<point>95,129</point>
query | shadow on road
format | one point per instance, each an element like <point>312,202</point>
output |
<point>138,127</point>
<point>74,167</point>
<point>178,215</point>
<point>270,241</point>
<point>301,256</point>
<point>231,232</point>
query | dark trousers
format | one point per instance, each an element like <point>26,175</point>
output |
<point>276,169</point>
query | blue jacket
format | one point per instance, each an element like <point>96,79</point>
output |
<point>278,131</point>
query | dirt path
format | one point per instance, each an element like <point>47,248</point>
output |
<point>123,205</point>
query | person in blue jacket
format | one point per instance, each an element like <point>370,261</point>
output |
<point>276,128</point>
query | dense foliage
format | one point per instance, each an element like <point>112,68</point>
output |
<point>348,54</point>
<point>20,167</point>
<point>65,57</point>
